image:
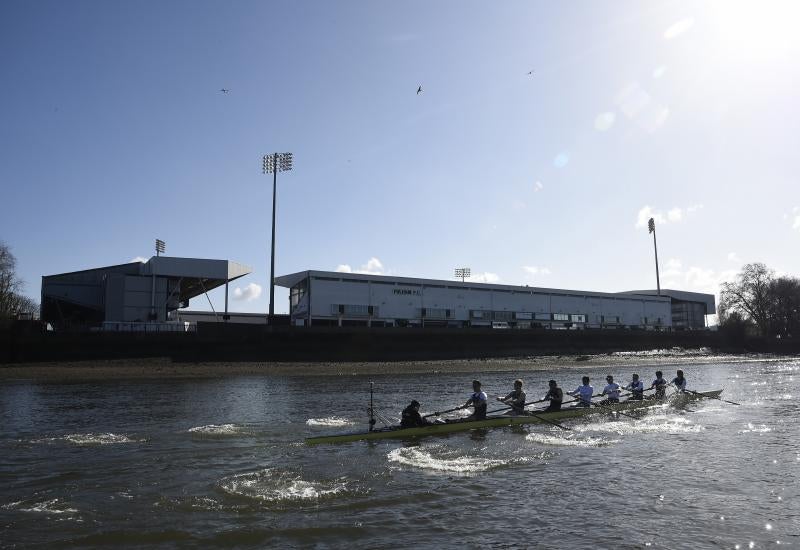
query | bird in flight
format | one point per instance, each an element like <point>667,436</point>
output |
<point>419,90</point>
<point>224,90</point>
<point>530,72</point>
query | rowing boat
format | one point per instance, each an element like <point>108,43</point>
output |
<point>392,432</point>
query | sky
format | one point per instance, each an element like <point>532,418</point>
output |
<point>545,136</point>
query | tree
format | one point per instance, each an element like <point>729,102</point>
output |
<point>784,295</point>
<point>749,296</point>
<point>12,302</point>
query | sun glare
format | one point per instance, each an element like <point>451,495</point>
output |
<point>756,30</point>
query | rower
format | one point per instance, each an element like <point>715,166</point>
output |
<point>611,390</point>
<point>516,398</point>
<point>411,417</point>
<point>660,385</point>
<point>555,395</point>
<point>478,399</point>
<point>636,388</point>
<point>584,393</point>
<point>679,381</point>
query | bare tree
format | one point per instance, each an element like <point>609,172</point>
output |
<point>749,296</point>
<point>12,302</point>
<point>785,307</point>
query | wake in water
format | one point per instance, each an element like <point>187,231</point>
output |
<point>331,421</point>
<point>89,439</point>
<point>440,458</point>
<point>647,424</point>
<point>281,487</point>
<point>220,431</point>
<point>569,440</point>
<point>50,507</point>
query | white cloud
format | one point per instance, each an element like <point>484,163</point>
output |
<point>733,257</point>
<point>537,187</point>
<point>678,28</point>
<point>535,270</point>
<point>604,121</point>
<point>673,215</point>
<point>484,278</point>
<point>138,259</point>
<point>249,293</point>
<point>645,213</point>
<point>372,267</point>
<point>658,72</point>
<point>561,159</point>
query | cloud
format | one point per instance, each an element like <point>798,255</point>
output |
<point>372,267</point>
<point>249,293</point>
<point>673,215</point>
<point>733,257</point>
<point>604,121</point>
<point>537,187</point>
<point>796,214</point>
<point>561,159</point>
<point>138,259</point>
<point>534,270</point>
<point>658,72</point>
<point>678,28</point>
<point>484,278</point>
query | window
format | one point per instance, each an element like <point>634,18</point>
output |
<point>543,317</point>
<point>578,318</point>
<point>560,317</point>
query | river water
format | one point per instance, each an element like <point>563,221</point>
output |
<point>220,462</point>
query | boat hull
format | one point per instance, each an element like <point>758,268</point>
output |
<point>538,417</point>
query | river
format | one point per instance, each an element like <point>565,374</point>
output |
<point>221,462</point>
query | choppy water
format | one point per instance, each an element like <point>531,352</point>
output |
<point>221,463</point>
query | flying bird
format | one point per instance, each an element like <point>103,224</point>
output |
<point>224,90</point>
<point>419,90</point>
<point>530,73</point>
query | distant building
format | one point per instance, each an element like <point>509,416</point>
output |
<point>132,293</point>
<point>324,298</point>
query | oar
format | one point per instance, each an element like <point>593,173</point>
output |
<point>543,419</point>
<point>523,406</point>
<point>712,397</point>
<point>615,410</point>
<point>437,413</point>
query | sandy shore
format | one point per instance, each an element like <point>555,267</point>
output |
<point>164,368</point>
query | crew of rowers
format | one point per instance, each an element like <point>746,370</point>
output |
<point>584,393</point>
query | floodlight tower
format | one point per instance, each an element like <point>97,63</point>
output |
<point>462,273</point>
<point>160,247</point>
<point>272,164</point>
<point>652,225</point>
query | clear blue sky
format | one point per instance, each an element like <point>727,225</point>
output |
<point>113,132</point>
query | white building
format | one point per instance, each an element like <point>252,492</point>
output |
<point>324,298</point>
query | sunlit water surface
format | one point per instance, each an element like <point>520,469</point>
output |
<point>221,463</point>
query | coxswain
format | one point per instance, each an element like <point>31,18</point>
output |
<point>679,381</point>
<point>660,385</point>
<point>478,400</point>
<point>411,417</point>
<point>611,390</point>
<point>636,388</point>
<point>516,399</point>
<point>555,395</point>
<point>584,393</point>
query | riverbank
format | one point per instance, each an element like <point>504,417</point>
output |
<point>156,368</point>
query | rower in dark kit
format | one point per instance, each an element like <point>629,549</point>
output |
<point>584,393</point>
<point>478,400</point>
<point>660,385</point>
<point>411,417</point>
<point>636,387</point>
<point>679,381</point>
<point>555,395</point>
<point>516,399</point>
